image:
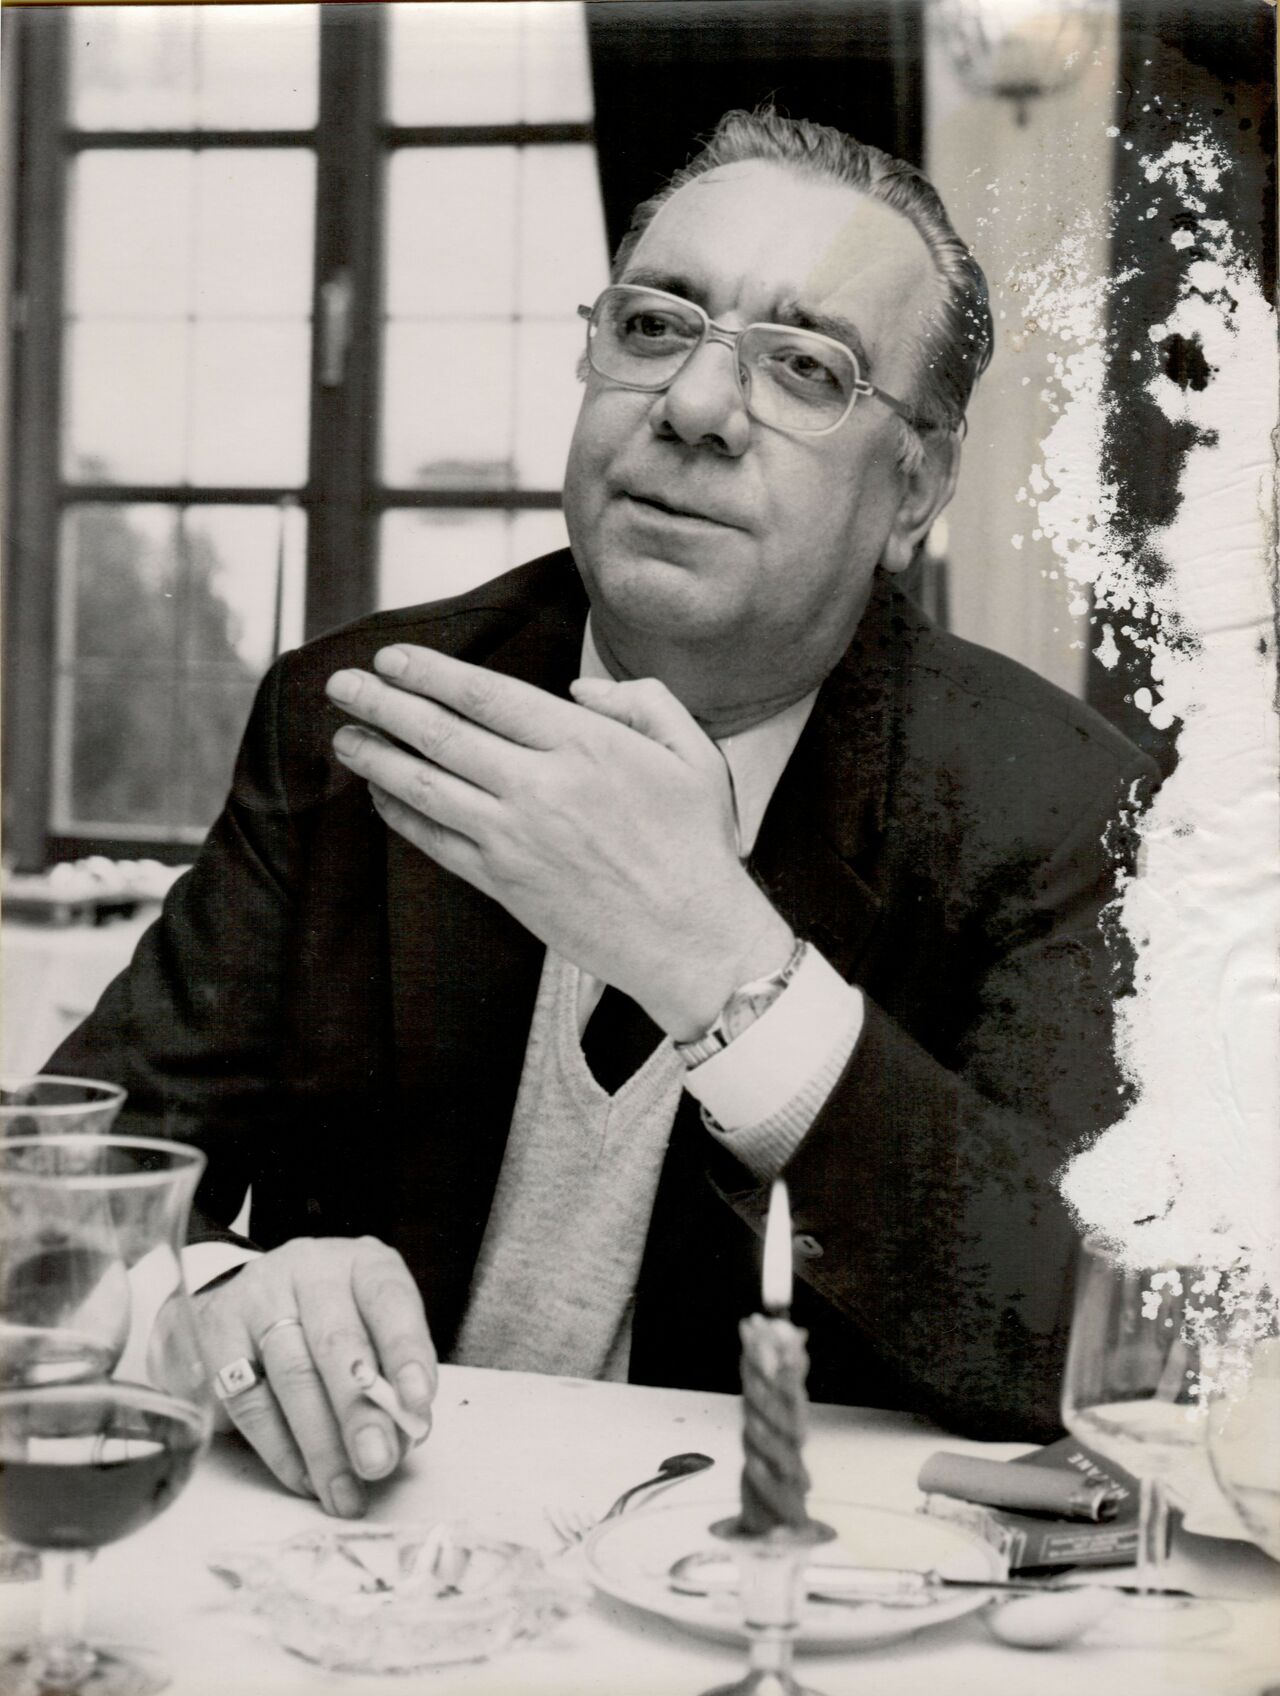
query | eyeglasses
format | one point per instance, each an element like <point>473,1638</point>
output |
<point>789,379</point>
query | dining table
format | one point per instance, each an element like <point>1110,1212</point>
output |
<point>509,1448</point>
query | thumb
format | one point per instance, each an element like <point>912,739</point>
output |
<point>650,708</point>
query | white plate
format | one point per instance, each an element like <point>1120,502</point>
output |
<point>630,1558</point>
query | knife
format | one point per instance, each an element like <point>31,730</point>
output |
<point>716,1575</point>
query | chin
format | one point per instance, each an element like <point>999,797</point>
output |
<point>658,598</point>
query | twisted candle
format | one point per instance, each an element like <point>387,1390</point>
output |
<point>775,1364</point>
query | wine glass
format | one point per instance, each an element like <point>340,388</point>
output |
<point>44,1104</point>
<point>1131,1391</point>
<point>104,1401</point>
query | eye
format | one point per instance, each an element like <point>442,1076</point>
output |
<point>652,332</point>
<point>806,367</point>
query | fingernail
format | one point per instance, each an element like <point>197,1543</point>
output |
<point>373,1453</point>
<point>347,1497</point>
<point>344,685</point>
<point>348,739</point>
<point>391,661</point>
<point>413,1384</point>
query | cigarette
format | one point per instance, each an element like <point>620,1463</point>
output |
<point>383,1395</point>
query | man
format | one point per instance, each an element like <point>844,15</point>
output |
<point>850,868</point>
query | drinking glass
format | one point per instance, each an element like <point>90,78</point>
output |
<point>47,1104</point>
<point>104,1402</point>
<point>1132,1392</point>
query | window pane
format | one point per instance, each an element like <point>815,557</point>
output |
<point>160,234</point>
<point>168,617</point>
<point>425,556</point>
<point>129,233</point>
<point>255,218</point>
<point>548,395</point>
<point>534,533</point>
<point>211,721</point>
<point>182,67</point>
<point>562,246</point>
<point>126,402</point>
<point>115,751</point>
<point>119,581</point>
<point>249,403</point>
<point>454,63</point>
<point>488,64</point>
<point>555,70</point>
<point>235,558</point>
<point>257,66</point>
<point>451,236</point>
<point>132,67</point>
<point>448,408</point>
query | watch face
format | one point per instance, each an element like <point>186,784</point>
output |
<point>743,1010</point>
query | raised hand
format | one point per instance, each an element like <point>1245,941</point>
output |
<point>604,824</point>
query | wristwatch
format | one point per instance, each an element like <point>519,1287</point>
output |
<point>741,1010</point>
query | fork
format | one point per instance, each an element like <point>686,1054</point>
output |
<point>574,1526</point>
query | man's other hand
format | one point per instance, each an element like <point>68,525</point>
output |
<point>604,825</point>
<point>354,1302</point>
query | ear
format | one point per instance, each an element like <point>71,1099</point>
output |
<point>927,488</point>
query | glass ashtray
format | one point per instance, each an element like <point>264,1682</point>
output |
<point>396,1598</point>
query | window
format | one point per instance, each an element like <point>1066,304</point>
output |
<point>296,291</point>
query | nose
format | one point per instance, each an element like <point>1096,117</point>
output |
<point>703,406</point>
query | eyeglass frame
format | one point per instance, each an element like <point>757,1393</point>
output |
<point>722,334</point>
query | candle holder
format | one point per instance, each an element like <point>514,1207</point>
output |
<point>772,1589</point>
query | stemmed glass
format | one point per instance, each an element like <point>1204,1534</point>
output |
<point>1132,1391</point>
<point>50,1105</point>
<point>104,1400</point>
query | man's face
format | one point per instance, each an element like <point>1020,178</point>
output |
<point>693,523</point>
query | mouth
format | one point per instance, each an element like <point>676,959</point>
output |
<point>668,509</point>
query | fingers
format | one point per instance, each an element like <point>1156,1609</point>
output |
<point>340,1344</point>
<point>426,788</point>
<point>430,728</point>
<point>391,1307</point>
<point>649,707</point>
<point>518,711</point>
<point>450,849</point>
<point>225,1336</point>
<point>300,1313</point>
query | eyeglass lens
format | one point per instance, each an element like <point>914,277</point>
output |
<point>793,379</point>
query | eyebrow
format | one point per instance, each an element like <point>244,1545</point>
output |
<point>798,317</point>
<point>646,277</point>
<point>789,311</point>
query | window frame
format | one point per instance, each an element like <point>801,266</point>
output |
<point>343,497</point>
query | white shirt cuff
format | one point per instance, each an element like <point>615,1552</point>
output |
<point>203,1262</point>
<point>776,1058</point>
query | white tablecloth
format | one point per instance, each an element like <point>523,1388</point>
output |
<point>507,1444</point>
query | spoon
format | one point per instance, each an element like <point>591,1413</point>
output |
<point>669,1470</point>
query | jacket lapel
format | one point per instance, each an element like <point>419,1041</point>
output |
<point>820,838</point>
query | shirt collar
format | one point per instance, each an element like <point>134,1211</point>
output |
<point>754,758</point>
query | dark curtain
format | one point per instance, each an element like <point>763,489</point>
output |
<point>1186,71</point>
<point>664,70</point>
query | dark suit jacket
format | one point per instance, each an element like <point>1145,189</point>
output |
<point>341,1023</point>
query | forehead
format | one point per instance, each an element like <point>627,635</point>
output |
<point>749,238</point>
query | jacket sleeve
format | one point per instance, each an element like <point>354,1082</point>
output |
<point>925,1188</point>
<point>189,1027</point>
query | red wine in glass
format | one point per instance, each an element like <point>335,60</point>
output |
<point>83,1465</point>
<point>104,1399</point>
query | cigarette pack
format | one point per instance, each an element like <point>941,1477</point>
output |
<point>1030,1541</point>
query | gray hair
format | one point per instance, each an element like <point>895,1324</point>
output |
<point>953,351</point>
